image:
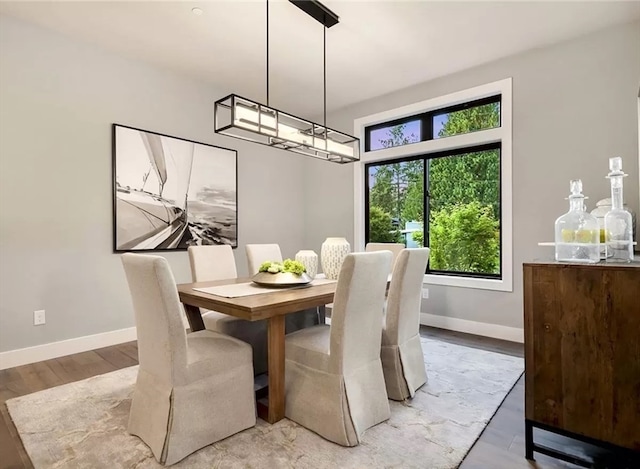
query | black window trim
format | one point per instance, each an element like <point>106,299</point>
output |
<point>425,226</point>
<point>426,119</point>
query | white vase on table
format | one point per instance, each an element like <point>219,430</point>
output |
<point>309,260</point>
<point>332,255</point>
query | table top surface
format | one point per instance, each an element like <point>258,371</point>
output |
<point>273,302</point>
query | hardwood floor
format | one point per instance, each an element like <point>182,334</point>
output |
<point>501,445</point>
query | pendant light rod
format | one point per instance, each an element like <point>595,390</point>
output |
<point>267,52</point>
<point>324,81</point>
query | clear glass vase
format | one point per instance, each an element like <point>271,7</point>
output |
<point>618,223</point>
<point>577,235</point>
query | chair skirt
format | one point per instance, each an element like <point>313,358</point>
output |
<point>335,406</point>
<point>404,369</point>
<point>175,422</point>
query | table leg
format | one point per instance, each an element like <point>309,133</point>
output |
<point>322,314</point>
<point>194,317</point>
<point>275,336</point>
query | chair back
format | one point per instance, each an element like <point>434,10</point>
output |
<point>405,293</point>
<point>162,339</point>
<point>395,249</point>
<point>259,253</point>
<point>356,318</point>
<point>213,262</point>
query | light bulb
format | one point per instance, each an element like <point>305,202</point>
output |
<point>266,123</point>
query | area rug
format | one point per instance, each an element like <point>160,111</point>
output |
<point>83,424</point>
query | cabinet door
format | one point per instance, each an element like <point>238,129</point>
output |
<point>582,350</point>
<point>622,296</point>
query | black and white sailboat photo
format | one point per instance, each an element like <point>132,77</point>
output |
<point>171,193</point>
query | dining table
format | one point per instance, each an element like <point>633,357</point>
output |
<point>270,304</point>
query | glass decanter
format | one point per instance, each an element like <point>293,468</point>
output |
<point>577,232</point>
<point>617,221</point>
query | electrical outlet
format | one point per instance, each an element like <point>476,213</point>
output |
<point>425,293</point>
<point>38,317</point>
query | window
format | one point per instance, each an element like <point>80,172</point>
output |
<point>463,118</point>
<point>396,201</point>
<point>471,117</point>
<point>461,203</point>
<point>394,134</point>
<point>438,174</point>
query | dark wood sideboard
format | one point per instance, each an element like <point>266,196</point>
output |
<point>582,354</point>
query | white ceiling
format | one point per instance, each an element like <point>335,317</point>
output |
<point>378,46</point>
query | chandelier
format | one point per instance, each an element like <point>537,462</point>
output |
<point>243,118</point>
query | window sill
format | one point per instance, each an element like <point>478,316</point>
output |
<point>504,285</point>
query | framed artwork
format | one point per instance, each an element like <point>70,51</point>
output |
<point>170,193</point>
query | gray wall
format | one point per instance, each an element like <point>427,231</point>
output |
<point>58,99</point>
<point>574,106</point>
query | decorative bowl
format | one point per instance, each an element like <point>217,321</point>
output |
<point>281,279</point>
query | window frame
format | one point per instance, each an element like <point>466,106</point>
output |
<point>435,106</point>
<point>426,120</point>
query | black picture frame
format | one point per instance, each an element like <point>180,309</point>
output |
<point>170,193</point>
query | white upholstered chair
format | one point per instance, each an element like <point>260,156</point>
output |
<point>191,390</point>
<point>401,353</point>
<point>259,253</point>
<point>212,262</point>
<point>218,263</point>
<point>395,249</point>
<point>333,375</point>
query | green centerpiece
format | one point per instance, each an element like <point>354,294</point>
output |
<point>288,273</point>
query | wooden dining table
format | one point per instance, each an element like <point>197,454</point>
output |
<point>272,305</point>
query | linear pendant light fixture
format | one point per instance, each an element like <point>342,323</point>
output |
<point>243,118</point>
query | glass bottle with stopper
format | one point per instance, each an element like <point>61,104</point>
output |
<point>618,221</point>
<point>577,233</point>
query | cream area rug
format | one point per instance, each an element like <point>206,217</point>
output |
<point>83,424</point>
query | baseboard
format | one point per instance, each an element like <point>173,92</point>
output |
<point>512,334</point>
<point>39,353</point>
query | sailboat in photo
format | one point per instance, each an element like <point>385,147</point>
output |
<point>156,219</point>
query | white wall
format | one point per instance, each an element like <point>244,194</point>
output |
<point>58,99</point>
<point>574,106</point>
